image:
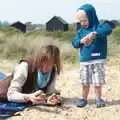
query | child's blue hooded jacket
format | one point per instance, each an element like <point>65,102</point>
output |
<point>99,44</point>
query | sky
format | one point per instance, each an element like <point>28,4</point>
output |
<point>40,11</point>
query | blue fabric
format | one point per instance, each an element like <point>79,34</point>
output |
<point>43,79</point>
<point>2,75</point>
<point>99,44</point>
<point>8,109</point>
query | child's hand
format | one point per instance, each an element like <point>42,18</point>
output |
<point>91,35</point>
<point>86,41</point>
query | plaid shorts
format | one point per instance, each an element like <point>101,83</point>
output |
<point>92,74</point>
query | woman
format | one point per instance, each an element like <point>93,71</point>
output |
<point>32,77</point>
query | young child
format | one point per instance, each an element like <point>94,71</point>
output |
<point>92,41</point>
<point>34,78</point>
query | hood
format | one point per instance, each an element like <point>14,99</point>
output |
<point>91,14</point>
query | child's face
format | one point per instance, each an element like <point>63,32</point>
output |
<point>47,66</point>
<point>82,18</point>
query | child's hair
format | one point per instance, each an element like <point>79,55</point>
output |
<point>80,13</point>
<point>49,52</point>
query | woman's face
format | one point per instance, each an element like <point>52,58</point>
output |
<point>47,66</point>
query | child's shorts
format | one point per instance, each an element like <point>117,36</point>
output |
<point>92,74</point>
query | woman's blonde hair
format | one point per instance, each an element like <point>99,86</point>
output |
<point>48,52</point>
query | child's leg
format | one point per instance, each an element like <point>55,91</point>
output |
<point>99,102</point>
<point>98,81</point>
<point>85,80</point>
<point>98,78</point>
<point>83,101</point>
<point>85,92</point>
<point>98,91</point>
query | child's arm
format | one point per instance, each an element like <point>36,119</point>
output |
<point>14,93</point>
<point>76,42</point>
<point>103,30</point>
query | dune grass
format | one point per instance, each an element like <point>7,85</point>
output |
<point>19,45</point>
<point>16,45</point>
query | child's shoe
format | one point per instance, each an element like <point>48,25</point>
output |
<point>100,103</point>
<point>81,103</point>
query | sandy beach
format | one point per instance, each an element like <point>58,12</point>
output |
<point>70,89</point>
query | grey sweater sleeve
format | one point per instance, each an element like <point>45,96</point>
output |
<point>20,76</point>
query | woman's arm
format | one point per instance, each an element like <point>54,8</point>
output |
<point>14,91</point>
<point>20,76</point>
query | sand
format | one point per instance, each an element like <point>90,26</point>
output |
<point>70,89</point>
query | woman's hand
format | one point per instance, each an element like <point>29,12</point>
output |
<point>36,97</point>
<point>54,99</point>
